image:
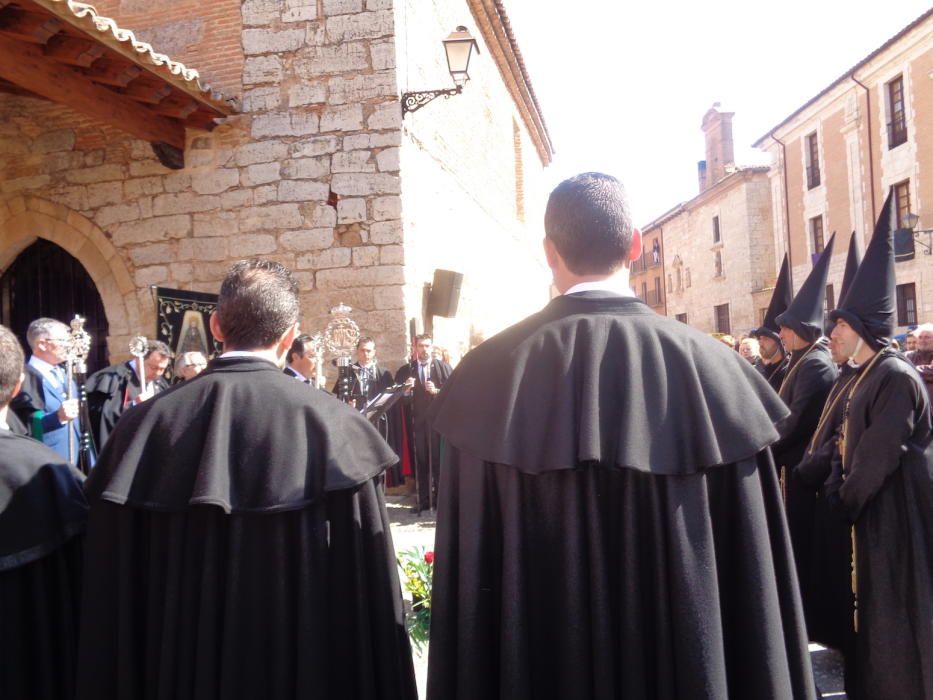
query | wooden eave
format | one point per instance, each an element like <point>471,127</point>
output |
<point>65,52</point>
<point>493,23</point>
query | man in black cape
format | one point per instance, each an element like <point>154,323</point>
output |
<point>886,451</point>
<point>238,544</point>
<point>425,376</point>
<point>609,520</point>
<point>112,390</point>
<point>830,549</point>
<point>810,375</point>
<point>774,359</point>
<point>42,518</point>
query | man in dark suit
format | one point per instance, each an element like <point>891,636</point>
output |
<point>112,390</point>
<point>43,405</point>
<point>302,362</point>
<point>367,378</point>
<point>425,377</point>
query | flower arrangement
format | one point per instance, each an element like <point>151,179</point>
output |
<point>418,568</point>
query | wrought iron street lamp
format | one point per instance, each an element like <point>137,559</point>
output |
<point>912,220</point>
<point>459,48</point>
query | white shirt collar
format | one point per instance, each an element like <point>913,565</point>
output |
<point>261,354</point>
<point>606,285</point>
<point>47,370</point>
<point>298,374</point>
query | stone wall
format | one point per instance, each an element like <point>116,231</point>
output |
<point>472,184</point>
<point>308,174</point>
<point>742,203</point>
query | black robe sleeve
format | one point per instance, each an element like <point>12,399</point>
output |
<point>811,385</point>
<point>882,444</point>
<point>42,519</point>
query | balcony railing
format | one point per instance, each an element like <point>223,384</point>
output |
<point>813,176</point>
<point>897,133</point>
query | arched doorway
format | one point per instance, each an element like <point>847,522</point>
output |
<point>45,280</point>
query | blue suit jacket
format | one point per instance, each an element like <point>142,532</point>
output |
<point>40,395</point>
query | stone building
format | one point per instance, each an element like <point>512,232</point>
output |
<point>120,169</point>
<point>836,158</point>
<point>647,272</point>
<point>718,262</point>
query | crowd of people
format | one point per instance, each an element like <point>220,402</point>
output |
<point>625,507</point>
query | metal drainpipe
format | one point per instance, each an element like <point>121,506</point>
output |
<point>790,256</point>
<point>871,150</point>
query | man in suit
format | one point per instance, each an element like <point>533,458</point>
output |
<point>425,378</point>
<point>367,378</point>
<point>112,390</point>
<point>302,362</point>
<point>43,405</point>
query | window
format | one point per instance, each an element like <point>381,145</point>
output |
<point>680,279</point>
<point>670,284</point>
<point>813,161</point>
<point>830,303</point>
<point>717,260</point>
<point>816,234</point>
<point>644,291</point>
<point>717,236</point>
<point>722,318</point>
<point>687,277</point>
<point>897,124</point>
<point>681,317</point>
<point>902,202</point>
<point>656,252</point>
<point>906,304</point>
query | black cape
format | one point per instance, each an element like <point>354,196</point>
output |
<point>42,519</point>
<point>888,494</point>
<point>829,546</point>
<point>810,376</point>
<point>109,393</point>
<point>776,372</point>
<point>238,547</point>
<point>609,521</point>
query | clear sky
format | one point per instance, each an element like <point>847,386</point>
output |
<point>624,85</point>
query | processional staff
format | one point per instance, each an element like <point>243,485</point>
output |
<point>79,346</point>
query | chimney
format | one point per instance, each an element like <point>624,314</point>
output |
<point>717,128</point>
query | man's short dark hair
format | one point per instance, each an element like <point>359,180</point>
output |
<point>362,341</point>
<point>588,220</point>
<point>158,347</point>
<point>11,364</point>
<point>423,336</point>
<point>258,303</point>
<point>300,346</point>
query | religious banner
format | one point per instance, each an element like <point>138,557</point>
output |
<point>182,321</point>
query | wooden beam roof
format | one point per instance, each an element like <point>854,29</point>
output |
<point>63,51</point>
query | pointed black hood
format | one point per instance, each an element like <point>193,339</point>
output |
<point>853,260</point>
<point>780,299</point>
<point>804,316</point>
<point>869,303</point>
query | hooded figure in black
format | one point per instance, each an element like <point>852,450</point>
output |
<point>830,547</point>
<point>238,544</point>
<point>42,518</point>
<point>774,359</point>
<point>609,519</point>
<point>886,491</point>
<point>810,375</point>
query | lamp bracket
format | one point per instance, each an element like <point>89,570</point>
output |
<point>928,243</point>
<point>413,101</point>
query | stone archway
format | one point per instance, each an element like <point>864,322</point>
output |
<point>24,219</point>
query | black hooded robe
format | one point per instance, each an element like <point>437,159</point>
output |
<point>888,495</point>
<point>810,376</point>
<point>110,392</point>
<point>830,551</point>
<point>238,547</point>
<point>42,519</point>
<point>776,372</point>
<point>609,520</point>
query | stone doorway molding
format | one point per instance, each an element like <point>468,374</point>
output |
<point>23,219</point>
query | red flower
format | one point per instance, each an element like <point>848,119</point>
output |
<point>429,557</point>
